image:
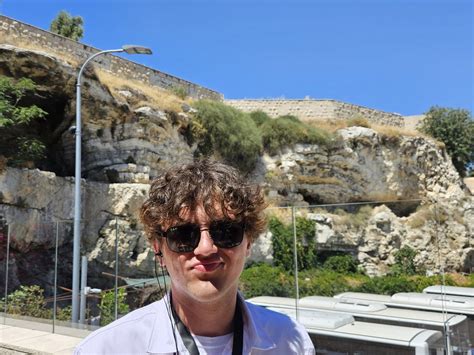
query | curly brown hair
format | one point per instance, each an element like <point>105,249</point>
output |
<point>218,187</point>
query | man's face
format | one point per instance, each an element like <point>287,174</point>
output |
<point>208,273</point>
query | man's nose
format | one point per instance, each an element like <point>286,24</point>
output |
<point>206,245</point>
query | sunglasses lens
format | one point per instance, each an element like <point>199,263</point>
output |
<point>227,234</point>
<point>183,239</point>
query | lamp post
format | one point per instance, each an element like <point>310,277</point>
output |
<point>130,49</point>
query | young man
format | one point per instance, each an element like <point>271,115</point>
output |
<point>201,220</point>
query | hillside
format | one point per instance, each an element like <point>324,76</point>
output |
<point>133,131</point>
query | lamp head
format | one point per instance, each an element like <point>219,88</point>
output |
<point>132,49</point>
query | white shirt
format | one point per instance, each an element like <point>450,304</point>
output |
<point>212,345</point>
<point>149,330</point>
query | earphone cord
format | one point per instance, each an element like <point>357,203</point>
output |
<point>167,304</point>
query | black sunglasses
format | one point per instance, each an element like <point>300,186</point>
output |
<point>185,238</point>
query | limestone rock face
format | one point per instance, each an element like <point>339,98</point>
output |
<point>361,165</point>
<point>128,138</point>
<point>367,166</point>
<point>126,135</point>
<point>38,206</point>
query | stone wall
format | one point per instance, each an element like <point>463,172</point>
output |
<point>312,109</point>
<point>17,33</point>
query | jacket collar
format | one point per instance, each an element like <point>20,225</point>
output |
<point>162,339</point>
<point>255,336</point>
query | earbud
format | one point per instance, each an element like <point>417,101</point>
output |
<point>159,253</point>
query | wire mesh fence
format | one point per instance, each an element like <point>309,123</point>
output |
<point>309,250</point>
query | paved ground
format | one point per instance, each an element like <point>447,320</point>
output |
<point>20,337</point>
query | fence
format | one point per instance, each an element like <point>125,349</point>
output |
<point>118,269</point>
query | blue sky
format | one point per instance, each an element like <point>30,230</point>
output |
<point>395,55</point>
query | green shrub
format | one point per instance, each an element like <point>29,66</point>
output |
<point>259,117</point>
<point>28,149</point>
<point>421,282</point>
<point>321,283</point>
<point>180,91</point>
<point>455,128</point>
<point>405,261</point>
<point>285,131</point>
<point>471,281</point>
<point>344,264</point>
<point>27,301</point>
<point>387,285</point>
<point>226,132</point>
<point>107,306</point>
<point>17,145</point>
<point>64,314</point>
<point>283,242</point>
<point>266,280</point>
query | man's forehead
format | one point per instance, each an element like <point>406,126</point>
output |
<point>198,211</point>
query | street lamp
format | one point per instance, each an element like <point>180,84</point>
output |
<point>130,49</point>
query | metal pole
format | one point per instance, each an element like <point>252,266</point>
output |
<point>116,268</point>
<point>77,208</point>
<point>55,276</point>
<point>77,192</point>
<point>83,290</point>
<point>6,268</point>
<point>295,254</point>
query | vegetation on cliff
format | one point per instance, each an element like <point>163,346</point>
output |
<point>455,128</point>
<point>226,132</point>
<point>19,143</point>
<point>240,138</point>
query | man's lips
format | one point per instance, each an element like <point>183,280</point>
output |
<point>207,266</point>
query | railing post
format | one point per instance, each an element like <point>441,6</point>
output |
<point>82,305</point>
<point>116,268</point>
<point>55,275</point>
<point>6,267</point>
<point>295,253</point>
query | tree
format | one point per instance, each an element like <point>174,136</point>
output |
<point>16,144</point>
<point>68,26</point>
<point>455,128</point>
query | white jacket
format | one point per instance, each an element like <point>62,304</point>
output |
<point>148,330</point>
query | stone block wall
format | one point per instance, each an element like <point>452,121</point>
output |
<point>312,109</point>
<point>15,33</point>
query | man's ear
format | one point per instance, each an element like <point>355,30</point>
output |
<point>157,248</point>
<point>249,247</point>
<point>158,253</point>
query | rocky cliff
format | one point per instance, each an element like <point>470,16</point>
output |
<point>132,132</point>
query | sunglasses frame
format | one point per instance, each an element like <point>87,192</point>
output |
<point>196,229</point>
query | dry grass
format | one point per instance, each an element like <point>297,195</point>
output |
<point>317,180</point>
<point>358,121</point>
<point>393,131</point>
<point>328,125</point>
<point>387,131</point>
<point>156,97</point>
<point>462,280</point>
<point>387,196</point>
<point>283,214</point>
<point>433,214</point>
<point>20,43</point>
<point>3,163</point>
<point>355,220</point>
